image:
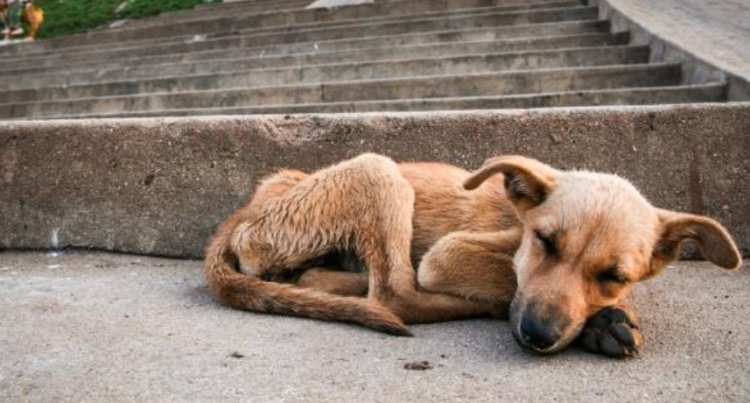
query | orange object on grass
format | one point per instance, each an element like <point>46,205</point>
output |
<point>34,16</point>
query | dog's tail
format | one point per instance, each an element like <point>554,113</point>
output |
<point>251,293</point>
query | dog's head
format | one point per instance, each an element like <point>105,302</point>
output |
<point>588,237</point>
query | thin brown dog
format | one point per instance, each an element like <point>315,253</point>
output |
<point>559,250</point>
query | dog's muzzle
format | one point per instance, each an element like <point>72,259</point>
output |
<point>537,335</point>
<point>538,330</point>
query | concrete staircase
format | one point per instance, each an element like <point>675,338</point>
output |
<point>264,56</point>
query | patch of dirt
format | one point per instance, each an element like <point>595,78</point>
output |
<point>418,366</point>
<point>237,355</point>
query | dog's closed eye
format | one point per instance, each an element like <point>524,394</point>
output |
<point>612,275</point>
<point>550,246</point>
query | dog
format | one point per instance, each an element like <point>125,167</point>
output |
<point>554,251</point>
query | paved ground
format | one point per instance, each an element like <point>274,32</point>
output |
<point>715,30</point>
<point>104,327</point>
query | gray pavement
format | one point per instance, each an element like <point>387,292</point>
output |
<point>105,327</point>
<point>717,31</point>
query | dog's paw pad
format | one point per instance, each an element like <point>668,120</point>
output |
<point>611,332</point>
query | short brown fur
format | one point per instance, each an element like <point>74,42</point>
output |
<point>480,243</point>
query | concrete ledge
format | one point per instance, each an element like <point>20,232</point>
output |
<point>710,49</point>
<point>160,186</point>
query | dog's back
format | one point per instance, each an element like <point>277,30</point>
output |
<point>442,205</point>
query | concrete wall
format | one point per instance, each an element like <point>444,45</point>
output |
<point>160,186</point>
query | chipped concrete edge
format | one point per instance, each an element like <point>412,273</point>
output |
<point>157,121</point>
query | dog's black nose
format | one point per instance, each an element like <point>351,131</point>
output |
<point>537,335</point>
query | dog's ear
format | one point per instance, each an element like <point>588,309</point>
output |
<point>527,181</point>
<point>712,238</point>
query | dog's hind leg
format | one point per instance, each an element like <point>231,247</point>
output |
<point>346,207</point>
<point>383,234</point>
<point>291,219</point>
<point>364,205</point>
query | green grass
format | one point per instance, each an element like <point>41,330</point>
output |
<point>67,17</point>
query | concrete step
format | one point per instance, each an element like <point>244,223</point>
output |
<point>360,14</point>
<point>484,84</point>
<point>457,65</point>
<point>392,7</point>
<point>104,72</point>
<point>160,186</point>
<point>354,28</point>
<point>450,19</point>
<point>218,27</point>
<point>283,44</point>
<point>214,26</point>
<point>240,6</point>
<point>205,11</point>
<point>514,82</point>
<point>682,94</point>
<point>165,18</point>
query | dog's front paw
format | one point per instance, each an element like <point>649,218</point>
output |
<point>612,332</point>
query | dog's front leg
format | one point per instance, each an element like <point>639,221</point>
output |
<point>476,266</point>
<point>613,331</point>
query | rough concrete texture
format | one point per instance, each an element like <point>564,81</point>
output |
<point>249,59</point>
<point>254,31</point>
<point>161,185</point>
<point>715,30</point>
<point>391,88</point>
<point>346,71</point>
<point>99,327</point>
<point>80,69</point>
<point>225,20</point>
<point>628,96</point>
<point>708,37</point>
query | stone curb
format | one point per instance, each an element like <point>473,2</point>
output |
<point>160,185</point>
